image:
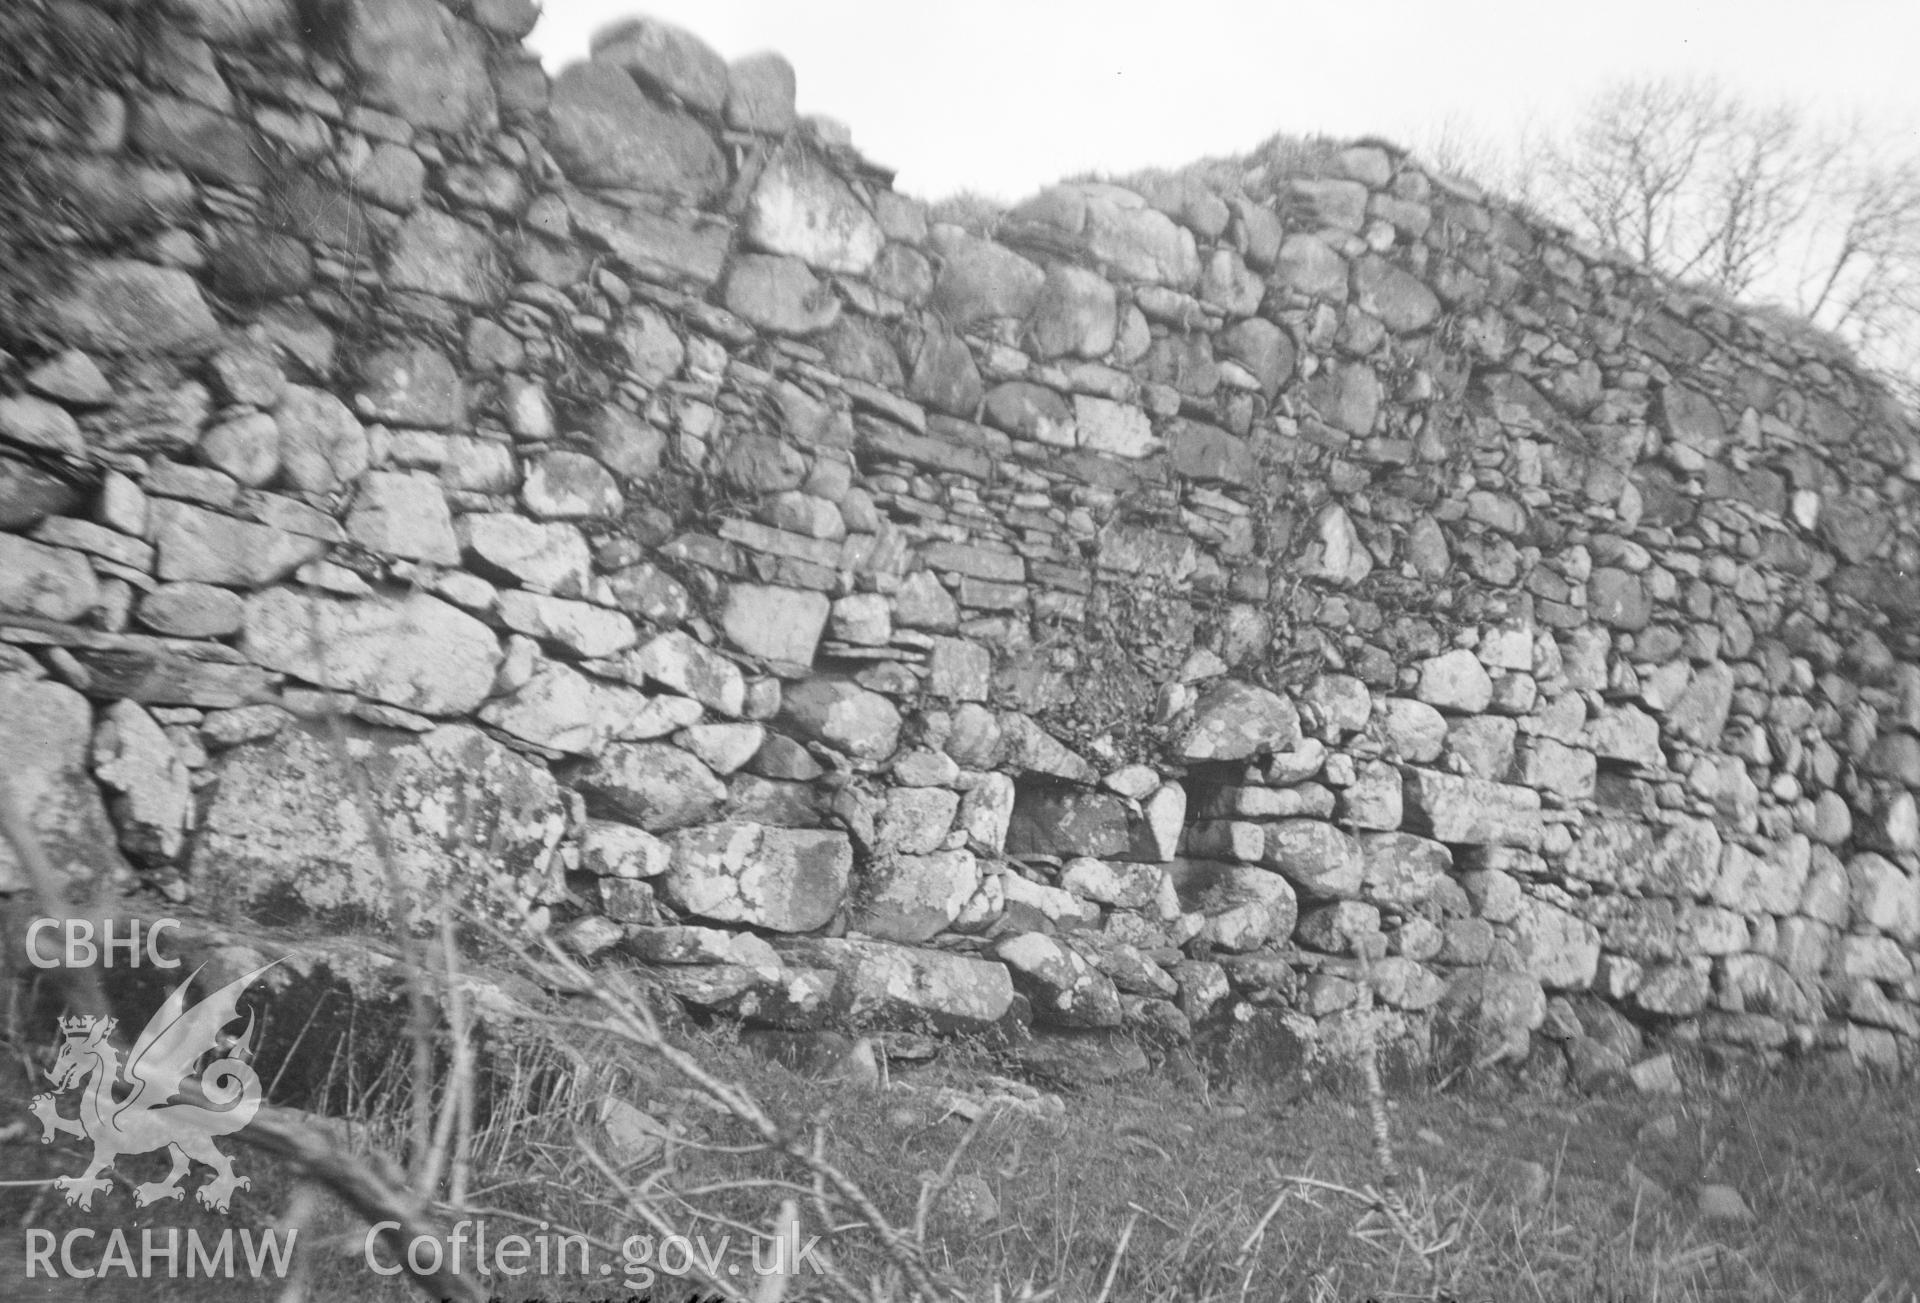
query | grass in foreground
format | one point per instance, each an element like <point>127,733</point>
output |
<point>1146,1192</point>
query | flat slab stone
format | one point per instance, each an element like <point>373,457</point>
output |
<point>663,249</point>
<point>1470,811</point>
<point>415,652</point>
<point>651,785</point>
<point>153,671</point>
<point>885,983</point>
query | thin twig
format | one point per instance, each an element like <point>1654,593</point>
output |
<point>1119,1252</point>
<point>930,1190</point>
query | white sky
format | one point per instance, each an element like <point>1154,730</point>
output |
<point>1003,97</point>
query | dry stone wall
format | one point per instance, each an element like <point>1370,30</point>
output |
<point>1340,606</point>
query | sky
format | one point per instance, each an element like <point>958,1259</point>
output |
<point>1004,96</point>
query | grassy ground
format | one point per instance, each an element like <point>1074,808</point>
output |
<point>1145,1192</point>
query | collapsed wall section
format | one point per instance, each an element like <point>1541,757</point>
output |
<point>1343,605</point>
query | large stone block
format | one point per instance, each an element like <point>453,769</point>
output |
<point>548,557</point>
<point>1076,313</point>
<point>418,61</point>
<point>1321,861</point>
<point>885,983</point>
<point>1471,811</point>
<point>121,306</point>
<point>668,60</point>
<point>1065,989</point>
<point>781,295</point>
<point>651,785</point>
<point>1111,227</point>
<point>416,385</point>
<point>201,141</point>
<point>1348,396</point>
<point>678,661</point>
<point>608,132</point>
<point>1206,452</point>
<point>667,249</point>
<point>760,94</point>
<point>912,898</point>
<point>403,516</point>
<point>47,582</point>
<point>1234,720</point>
<point>583,628</point>
<point>1692,419</point>
<point>1455,681</point>
<point>415,652</point>
<point>782,879</point>
<point>802,210</point>
<point>438,254</point>
<point>45,736</point>
<point>294,837</point>
<point>1558,949</point>
<point>1401,870</point>
<point>1245,907</point>
<point>1493,1012</point>
<point>980,280</point>
<point>774,623</point>
<point>1070,822</point>
<point>1402,302</point>
<point>842,714</point>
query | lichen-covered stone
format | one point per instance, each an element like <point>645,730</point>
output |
<point>1065,989</point>
<point>290,837</point>
<point>403,516</point>
<point>914,897</point>
<point>1244,906</point>
<point>547,556</point>
<point>1557,948</point>
<point>1317,858</point>
<point>1234,720</point>
<point>782,879</point>
<point>842,714</point>
<point>885,983</point>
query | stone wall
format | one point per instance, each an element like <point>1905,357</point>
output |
<point>1341,605</point>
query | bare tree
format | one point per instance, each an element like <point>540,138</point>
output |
<point>1863,274</point>
<point>1759,201</point>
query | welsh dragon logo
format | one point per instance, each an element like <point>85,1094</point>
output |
<point>168,1059</point>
